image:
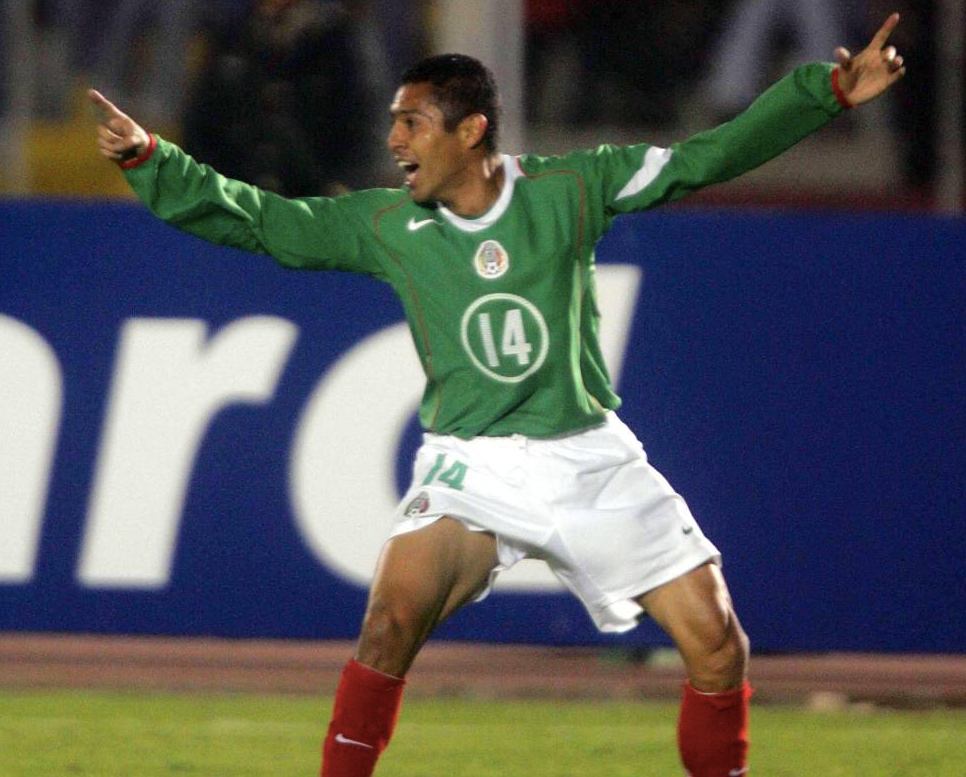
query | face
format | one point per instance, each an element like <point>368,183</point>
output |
<point>435,162</point>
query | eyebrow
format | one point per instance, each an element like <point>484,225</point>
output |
<point>396,112</point>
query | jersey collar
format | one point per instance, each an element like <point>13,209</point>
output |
<point>511,171</point>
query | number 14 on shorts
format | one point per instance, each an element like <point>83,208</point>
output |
<point>451,475</point>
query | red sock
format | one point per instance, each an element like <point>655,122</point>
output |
<point>713,732</point>
<point>364,714</point>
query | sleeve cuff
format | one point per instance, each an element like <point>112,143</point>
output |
<point>144,156</point>
<point>840,97</point>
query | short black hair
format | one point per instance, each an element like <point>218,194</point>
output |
<point>462,86</point>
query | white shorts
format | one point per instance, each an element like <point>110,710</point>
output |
<point>606,522</point>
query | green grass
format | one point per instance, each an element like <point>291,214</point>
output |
<point>61,734</point>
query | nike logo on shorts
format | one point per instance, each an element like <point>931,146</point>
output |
<point>344,740</point>
<point>738,772</point>
<point>413,225</point>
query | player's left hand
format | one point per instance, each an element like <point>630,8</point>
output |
<point>873,70</point>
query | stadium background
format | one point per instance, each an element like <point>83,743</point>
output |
<point>790,350</point>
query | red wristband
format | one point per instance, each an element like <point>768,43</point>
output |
<point>837,89</point>
<point>143,157</point>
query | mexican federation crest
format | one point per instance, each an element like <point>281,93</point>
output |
<point>417,506</point>
<point>491,260</point>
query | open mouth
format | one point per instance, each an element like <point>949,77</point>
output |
<point>409,168</point>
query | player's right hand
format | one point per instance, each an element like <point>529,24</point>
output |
<point>119,137</point>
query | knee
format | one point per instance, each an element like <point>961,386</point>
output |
<point>392,632</point>
<point>736,647</point>
<point>388,622</point>
<point>722,662</point>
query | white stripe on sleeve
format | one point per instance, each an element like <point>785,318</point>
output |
<point>654,161</point>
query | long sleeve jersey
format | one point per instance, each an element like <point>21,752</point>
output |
<point>501,308</point>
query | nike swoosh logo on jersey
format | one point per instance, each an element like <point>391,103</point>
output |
<point>413,225</point>
<point>738,772</point>
<point>344,740</point>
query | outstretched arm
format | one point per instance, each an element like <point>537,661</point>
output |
<point>790,110</point>
<point>873,70</point>
<point>311,232</point>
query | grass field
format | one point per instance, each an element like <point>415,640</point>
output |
<point>64,734</point>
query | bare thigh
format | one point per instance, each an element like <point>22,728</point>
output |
<point>696,612</point>
<point>421,579</point>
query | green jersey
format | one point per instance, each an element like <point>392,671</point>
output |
<point>501,308</point>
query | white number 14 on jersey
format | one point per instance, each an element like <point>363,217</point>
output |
<point>513,343</point>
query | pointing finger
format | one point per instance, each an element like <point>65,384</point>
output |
<point>880,38</point>
<point>97,98</point>
<point>106,107</point>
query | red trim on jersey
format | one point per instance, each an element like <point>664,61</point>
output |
<point>141,158</point>
<point>837,89</point>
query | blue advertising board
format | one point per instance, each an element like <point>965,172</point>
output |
<point>196,441</point>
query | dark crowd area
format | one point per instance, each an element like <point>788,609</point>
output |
<point>292,94</point>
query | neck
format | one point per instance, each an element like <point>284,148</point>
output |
<point>481,188</point>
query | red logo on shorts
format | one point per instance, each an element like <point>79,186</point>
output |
<point>418,506</point>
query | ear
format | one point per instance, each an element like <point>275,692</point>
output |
<point>473,128</point>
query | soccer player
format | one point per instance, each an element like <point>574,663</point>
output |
<point>523,453</point>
